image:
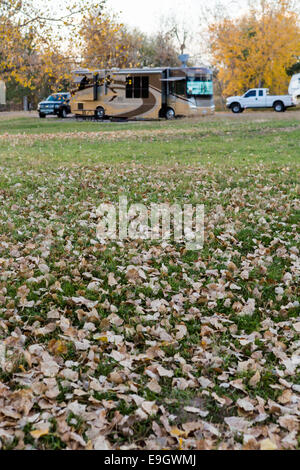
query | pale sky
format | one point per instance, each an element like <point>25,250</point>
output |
<point>145,14</point>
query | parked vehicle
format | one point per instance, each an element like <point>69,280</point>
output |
<point>143,93</point>
<point>2,92</point>
<point>57,104</point>
<point>294,88</point>
<point>260,98</point>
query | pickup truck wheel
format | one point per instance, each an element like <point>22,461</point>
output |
<point>279,107</point>
<point>236,108</point>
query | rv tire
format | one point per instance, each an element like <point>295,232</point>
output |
<point>170,114</point>
<point>100,113</point>
<point>42,115</point>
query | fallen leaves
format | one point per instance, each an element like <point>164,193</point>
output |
<point>150,407</point>
<point>163,372</point>
<point>249,308</point>
<point>237,424</point>
<point>49,367</point>
<point>192,409</point>
<point>267,444</point>
<point>133,344</point>
<point>83,301</point>
<point>37,433</point>
<point>116,377</point>
<point>154,386</point>
<point>245,404</point>
<point>255,379</point>
<point>111,280</point>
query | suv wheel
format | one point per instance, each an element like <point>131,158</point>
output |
<point>62,113</point>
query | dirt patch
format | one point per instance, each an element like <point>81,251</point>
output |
<point>7,115</point>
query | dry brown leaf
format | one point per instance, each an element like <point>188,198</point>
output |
<point>267,444</point>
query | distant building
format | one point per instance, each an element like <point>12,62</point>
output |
<point>2,92</point>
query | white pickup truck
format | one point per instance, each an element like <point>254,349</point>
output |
<point>260,98</point>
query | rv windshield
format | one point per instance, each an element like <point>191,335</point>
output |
<point>200,85</point>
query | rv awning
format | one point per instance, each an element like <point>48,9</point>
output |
<point>172,79</point>
<point>77,79</point>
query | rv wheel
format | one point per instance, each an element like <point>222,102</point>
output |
<point>170,114</point>
<point>99,113</point>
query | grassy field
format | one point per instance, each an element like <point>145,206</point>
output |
<point>139,344</point>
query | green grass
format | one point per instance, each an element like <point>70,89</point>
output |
<point>246,173</point>
<point>251,123</point>
<point>206,143</point>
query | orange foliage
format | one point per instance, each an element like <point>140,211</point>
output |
<point>34,42</point>
<point>107,43</point>
<point>256,49</point>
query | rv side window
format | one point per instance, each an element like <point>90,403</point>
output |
<point>145,87</point>
<point>179,87</point>
<point>129,87</point>
<point>137,87</point>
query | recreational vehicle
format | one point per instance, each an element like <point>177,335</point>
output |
<point>145,93</point>
<point>2,92</point>
<point>294,88</point>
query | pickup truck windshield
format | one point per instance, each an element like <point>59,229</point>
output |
<point>250,94</point>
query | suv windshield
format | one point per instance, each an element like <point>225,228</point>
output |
<point>56,98</point>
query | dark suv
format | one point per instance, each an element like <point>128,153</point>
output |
<point>57,104</point>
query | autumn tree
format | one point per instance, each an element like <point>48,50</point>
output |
<point>173,37</point>
<point>293,69</point>
<point>31,41</point>
<point>256,49</point>
<point>158,50</point>
<point>107,43</point>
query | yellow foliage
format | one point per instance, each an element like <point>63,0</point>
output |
<point>106,42</point>
<point>37,433</point>
<point>31,48</point>
<point>256,49</point>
